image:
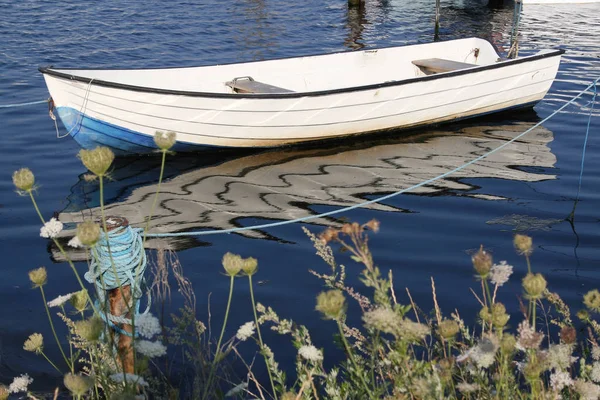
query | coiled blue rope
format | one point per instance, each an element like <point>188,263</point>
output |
<point>389,196</point>
<point>118,260</point>
<point>30,103</point>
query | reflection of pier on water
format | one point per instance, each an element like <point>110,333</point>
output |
<point>286,184</point>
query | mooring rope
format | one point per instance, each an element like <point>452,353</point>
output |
<point>29,103</point>
<point>118,260</point>
<point>389,196</point>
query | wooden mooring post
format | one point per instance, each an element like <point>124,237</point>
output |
<point>120,301</point>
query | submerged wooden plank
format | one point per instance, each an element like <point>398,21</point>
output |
<point>441,65</point>
<point>252,86</point>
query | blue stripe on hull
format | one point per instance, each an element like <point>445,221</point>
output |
<point>91,133</point>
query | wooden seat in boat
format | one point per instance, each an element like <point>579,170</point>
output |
<point>246,84</point>
<point>437,65</point>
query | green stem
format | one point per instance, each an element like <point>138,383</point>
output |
<point>226,316</point>
<point>528,263</point>
<point>160,177</point>
<point>51,363</point>
<point>351,357</point>
<point>52,326</point>
<point>258,332</point>
<point>218,351</point>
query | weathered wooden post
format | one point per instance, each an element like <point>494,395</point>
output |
<point>356,3</point>
<point>120,301</point>
<point>513,52</point>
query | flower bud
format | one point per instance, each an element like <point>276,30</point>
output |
<point>249,265</point>
<point>88,233</point>
<point>592,300</point>
<point>232,264</point>
<point>523,244</point>
<point>38,277</point>
<point>508,343</point>
<point>35,343</point>
<point>78,385</point>
<point>23,179</point>
<point>583,315</point>
<point>98,160</point>
<point>534,285</point>
<point>89,329</point>
<point>164,140</point>
<point>79,300</point>
<point>331,304</point>
<point>482,262</point>
<point>448,329</point>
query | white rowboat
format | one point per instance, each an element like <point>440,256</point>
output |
<point>292,100</point>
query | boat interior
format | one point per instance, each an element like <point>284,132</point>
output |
<point>308,73</point>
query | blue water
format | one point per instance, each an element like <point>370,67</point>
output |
<point>426,234</point>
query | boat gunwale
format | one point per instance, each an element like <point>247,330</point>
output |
<point>50,71</point>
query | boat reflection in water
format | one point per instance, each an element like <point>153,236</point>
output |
<point>286,184</point>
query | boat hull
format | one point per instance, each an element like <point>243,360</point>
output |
<point>126,118</point>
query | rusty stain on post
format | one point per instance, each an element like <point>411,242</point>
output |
<point>117,300</point>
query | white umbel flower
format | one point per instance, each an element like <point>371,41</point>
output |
<point>310,353</point>
<point>60,300</point>
<point>560,379</point>
<point>129,378</point>
<point>595,373</point>
<point>75,242</point>
<point>499,273</point>
<point>51,228</point>
<point>147,325</point>
<point>151,349</point>
<point>245,331</point>
<point>20,384</point>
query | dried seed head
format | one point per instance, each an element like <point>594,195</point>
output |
<point>448,329</point>
<point>533,370</point>
<point>38,277</point>
<point>79,300</point>
<point>331,304</point>
<point>34,343</point>
<point>232,263</point>
<point>288,396</point>
<point>89,329</point>
<point>534,285</point>
<point>88,233</point>
<point>249,266</point>
<point>98,160</point>
<point>23,179</point>
<point>482,262</point>
<point>165,140</point>
<point>592,300</point>
<point>373,225</point>
<point>329,235</point>
<point>568,335</point>
<point>523,244</point>
<point>78,384</point>
<point>347,229</point>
